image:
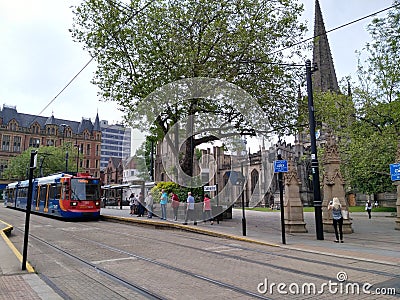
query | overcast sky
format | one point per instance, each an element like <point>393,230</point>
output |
<point>38,57</point>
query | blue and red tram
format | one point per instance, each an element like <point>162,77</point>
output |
<point>61,195</point>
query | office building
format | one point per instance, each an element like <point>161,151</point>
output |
<point>115,142</point>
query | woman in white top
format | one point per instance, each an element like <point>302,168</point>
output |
<point>336,208</point>
<point>368,208</point>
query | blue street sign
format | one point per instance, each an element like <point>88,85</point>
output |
<point>280,166</point>
<point>395,171</point>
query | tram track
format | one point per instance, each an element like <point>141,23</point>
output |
<point>134,286</point>
<point>254,256</point>
<point>274,256</point>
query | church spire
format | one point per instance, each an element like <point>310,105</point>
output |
<point>324,79</point>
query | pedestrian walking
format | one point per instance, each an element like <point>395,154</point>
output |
<point>132,203</point>
<point>149,204</point>
<point>190,213</point>
<point>368,208</point>
<point>140,205</point>
<point>163,203</point>
<point>175,205</point>
<point>336,208</point>
<point>207,209</point>
<point>136,201</point>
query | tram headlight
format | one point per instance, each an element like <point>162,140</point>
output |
<point>97,203</point>
<point>74,203</point>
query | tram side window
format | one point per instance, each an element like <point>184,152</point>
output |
<point>22,192</point>
<point>10,194</point>
<point>54,192</point>
<point>58,191</point>
<point>43,192</point>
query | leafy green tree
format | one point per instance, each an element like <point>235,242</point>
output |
<point>142,46</point>
<point>181,192</point>
<point>143,158</point>
<point>376,131</point>
<point>50,160</point>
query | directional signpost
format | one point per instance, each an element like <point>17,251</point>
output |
<point>395,171</point>
<point>210,188</point>
<point>280,167</point>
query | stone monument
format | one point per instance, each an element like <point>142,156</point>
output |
<point>294,215</point>
<point>333,185</point>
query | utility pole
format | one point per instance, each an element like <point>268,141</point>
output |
<point>314,158</point>
<point>281,204</point>
<point>242,183</point>
<point>66,151</point>
<point>32,167</point>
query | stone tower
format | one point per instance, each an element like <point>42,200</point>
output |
<point>324,78</point>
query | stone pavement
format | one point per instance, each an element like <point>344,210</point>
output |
<point>373,240</point>
<point>16,283</point>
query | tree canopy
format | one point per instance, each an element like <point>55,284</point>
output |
<point>377,98</point>
<point>140,47</point>
<point>50,160</point>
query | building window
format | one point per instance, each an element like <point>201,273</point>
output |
<point>17,144</point>
<point>88,149</point>
<point>34,142</point>
<point>3,166</point>
<point>13,126</point>
<point>87,164</point>
<point>36,129</point>
<point>50,142</point>
<point>5,145</point>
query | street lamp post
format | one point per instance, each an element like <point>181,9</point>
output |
<point>281,204</point>
<point>32,167</point>
<point>77,158</point>
<point>66,151</point>
<point>314,158</point>
<point>243,210</point>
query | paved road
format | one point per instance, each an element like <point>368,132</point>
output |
<point>177,264</point>
<point>373,239</point>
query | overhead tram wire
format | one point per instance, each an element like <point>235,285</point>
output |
<point>334,29</point>
<point>77,74</point>
<point>253,61</point>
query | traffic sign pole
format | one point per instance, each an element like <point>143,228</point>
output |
<point>280,181</point>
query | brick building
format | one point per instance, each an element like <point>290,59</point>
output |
<point>19,131</point>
